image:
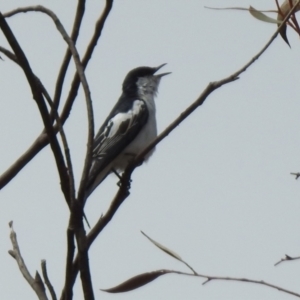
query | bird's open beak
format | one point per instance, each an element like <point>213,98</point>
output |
<point>163,74</point>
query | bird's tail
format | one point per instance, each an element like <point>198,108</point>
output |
<point>92,185</point>
<point>94,181</point>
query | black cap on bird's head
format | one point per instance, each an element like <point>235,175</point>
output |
<point>131,79</point>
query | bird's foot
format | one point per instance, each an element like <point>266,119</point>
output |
<point>116,173</point>
<point>121,180</point>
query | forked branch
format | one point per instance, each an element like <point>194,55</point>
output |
<point>36,283</point>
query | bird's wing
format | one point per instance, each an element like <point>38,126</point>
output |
<point>115,135</point>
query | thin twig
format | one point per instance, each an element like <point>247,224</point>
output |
<point>211,278</point>
<point>38,97</point>
<point>83,262</point>
<point>80,236</point>
<point>121,195</point>
<point>65,145</point>
<point>36,284</point>
<point>142,279</point>
<point>80,72</point>
<point>11,56</point>
<point>57,95</point>
<point>47,281</point>
<point>42,140</point>
<point>86,58</point>
<point>297,175</point>
<point>67,58</point>
<point>67,293</point>
<point>287,258</point>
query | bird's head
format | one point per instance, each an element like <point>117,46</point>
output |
<point>142,81</point>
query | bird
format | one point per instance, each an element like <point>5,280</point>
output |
<point>129,127</point>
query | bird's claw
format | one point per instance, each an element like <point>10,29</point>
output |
<point>121,182</point>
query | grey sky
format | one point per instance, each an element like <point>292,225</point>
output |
<point>217,190</point>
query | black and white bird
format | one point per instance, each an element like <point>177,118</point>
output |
<point>129,128</point>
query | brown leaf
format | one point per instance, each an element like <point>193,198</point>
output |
<point>261,16</point>
<point>162,247</point>
<point>284,10</point>
<point>286,7</point>
<point>136,282</point>
<point>282,33</point>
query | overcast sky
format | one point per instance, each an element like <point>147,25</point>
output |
<point>217,191</point>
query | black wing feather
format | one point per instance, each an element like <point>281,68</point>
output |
<point>109,144</point>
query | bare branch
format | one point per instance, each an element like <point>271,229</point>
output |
<point>83,262</point>
<point>71,246</point>
<point>66,61</point>
<point>297,175</point>
<point>47,281</point>
<point>83,255</point>
<point>67,293</point>
<point>80,72</point>
<point>86,58</point>
<point>64,142</point>
<point>211,278</point>
<point>287,258</point>
<point>121,195</point>
<point>59,125</point>
<point>142,279</point>
<point>76,228</point>
<point>39,281</point>
<point>42,140</point>
<point>38,97</point>
<point>9,54</point>
<point>36,284</point>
